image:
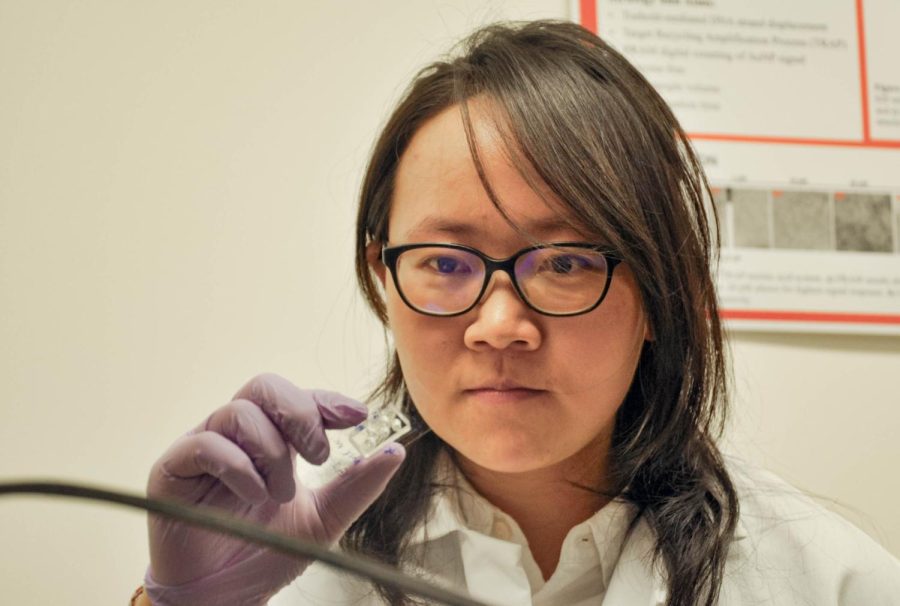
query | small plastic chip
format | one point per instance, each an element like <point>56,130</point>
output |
<point>383,426</point>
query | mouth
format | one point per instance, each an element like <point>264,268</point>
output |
<point>502,392</point>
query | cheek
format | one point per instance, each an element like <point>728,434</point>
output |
<point>426,346</point>
<point>430,351</point>
<point>600,352</point>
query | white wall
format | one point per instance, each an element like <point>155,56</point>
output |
<point>177,191</point>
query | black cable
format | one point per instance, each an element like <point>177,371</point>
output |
<point>253,533</point>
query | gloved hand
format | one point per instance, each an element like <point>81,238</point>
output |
<point>241,460</point>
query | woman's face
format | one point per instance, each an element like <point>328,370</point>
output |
<point>509,389</point>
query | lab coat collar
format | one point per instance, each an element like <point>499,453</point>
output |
<point>456,506</point>
<point>635,580</point>
<point>458,509</point>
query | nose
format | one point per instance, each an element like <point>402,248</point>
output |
<point>502,320</point>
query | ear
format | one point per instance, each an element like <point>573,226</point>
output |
<point>373,257</point>
<point>648,329</point>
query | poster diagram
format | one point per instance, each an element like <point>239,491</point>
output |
<point>794,108</point>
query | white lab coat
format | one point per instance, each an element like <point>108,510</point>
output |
<point>787,550</point>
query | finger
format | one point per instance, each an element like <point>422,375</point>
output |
<point>337,410</point>
<point>296,413</point>
<point>245,424</point>
<point>344,499</point>
<point>207,454</point>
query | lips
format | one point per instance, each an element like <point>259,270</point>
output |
<point>502,385</point>
<point>502,391</point>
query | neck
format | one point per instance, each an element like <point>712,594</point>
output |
<point>546,503</point>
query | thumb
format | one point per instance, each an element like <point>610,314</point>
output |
<point>346,497</point>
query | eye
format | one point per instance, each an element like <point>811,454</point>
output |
<point>566,263</point>
<point>448,265</point>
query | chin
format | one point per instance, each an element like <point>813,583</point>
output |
<point>507,458</point>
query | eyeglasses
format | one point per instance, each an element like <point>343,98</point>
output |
<point>560,279</point>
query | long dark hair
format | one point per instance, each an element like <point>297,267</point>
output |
<point>585,121</point>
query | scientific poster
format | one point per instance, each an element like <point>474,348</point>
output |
<point>794,108</point>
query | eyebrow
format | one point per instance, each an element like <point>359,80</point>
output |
<point>462,229</point>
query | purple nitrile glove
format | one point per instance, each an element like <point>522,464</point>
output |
<point>241,460</point>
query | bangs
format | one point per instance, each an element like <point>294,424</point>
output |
<point>525,162</point>
<point>573,134</point>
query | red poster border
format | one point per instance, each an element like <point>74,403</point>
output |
<point>588,18</point>
<point>809,316</point>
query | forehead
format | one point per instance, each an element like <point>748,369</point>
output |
<point>438,194</point>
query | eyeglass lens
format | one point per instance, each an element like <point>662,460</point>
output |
<point>556,279</point>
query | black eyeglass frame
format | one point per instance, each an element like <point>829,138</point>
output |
<point>390,255</point>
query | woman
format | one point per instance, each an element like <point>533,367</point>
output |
<point>533,231</point>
